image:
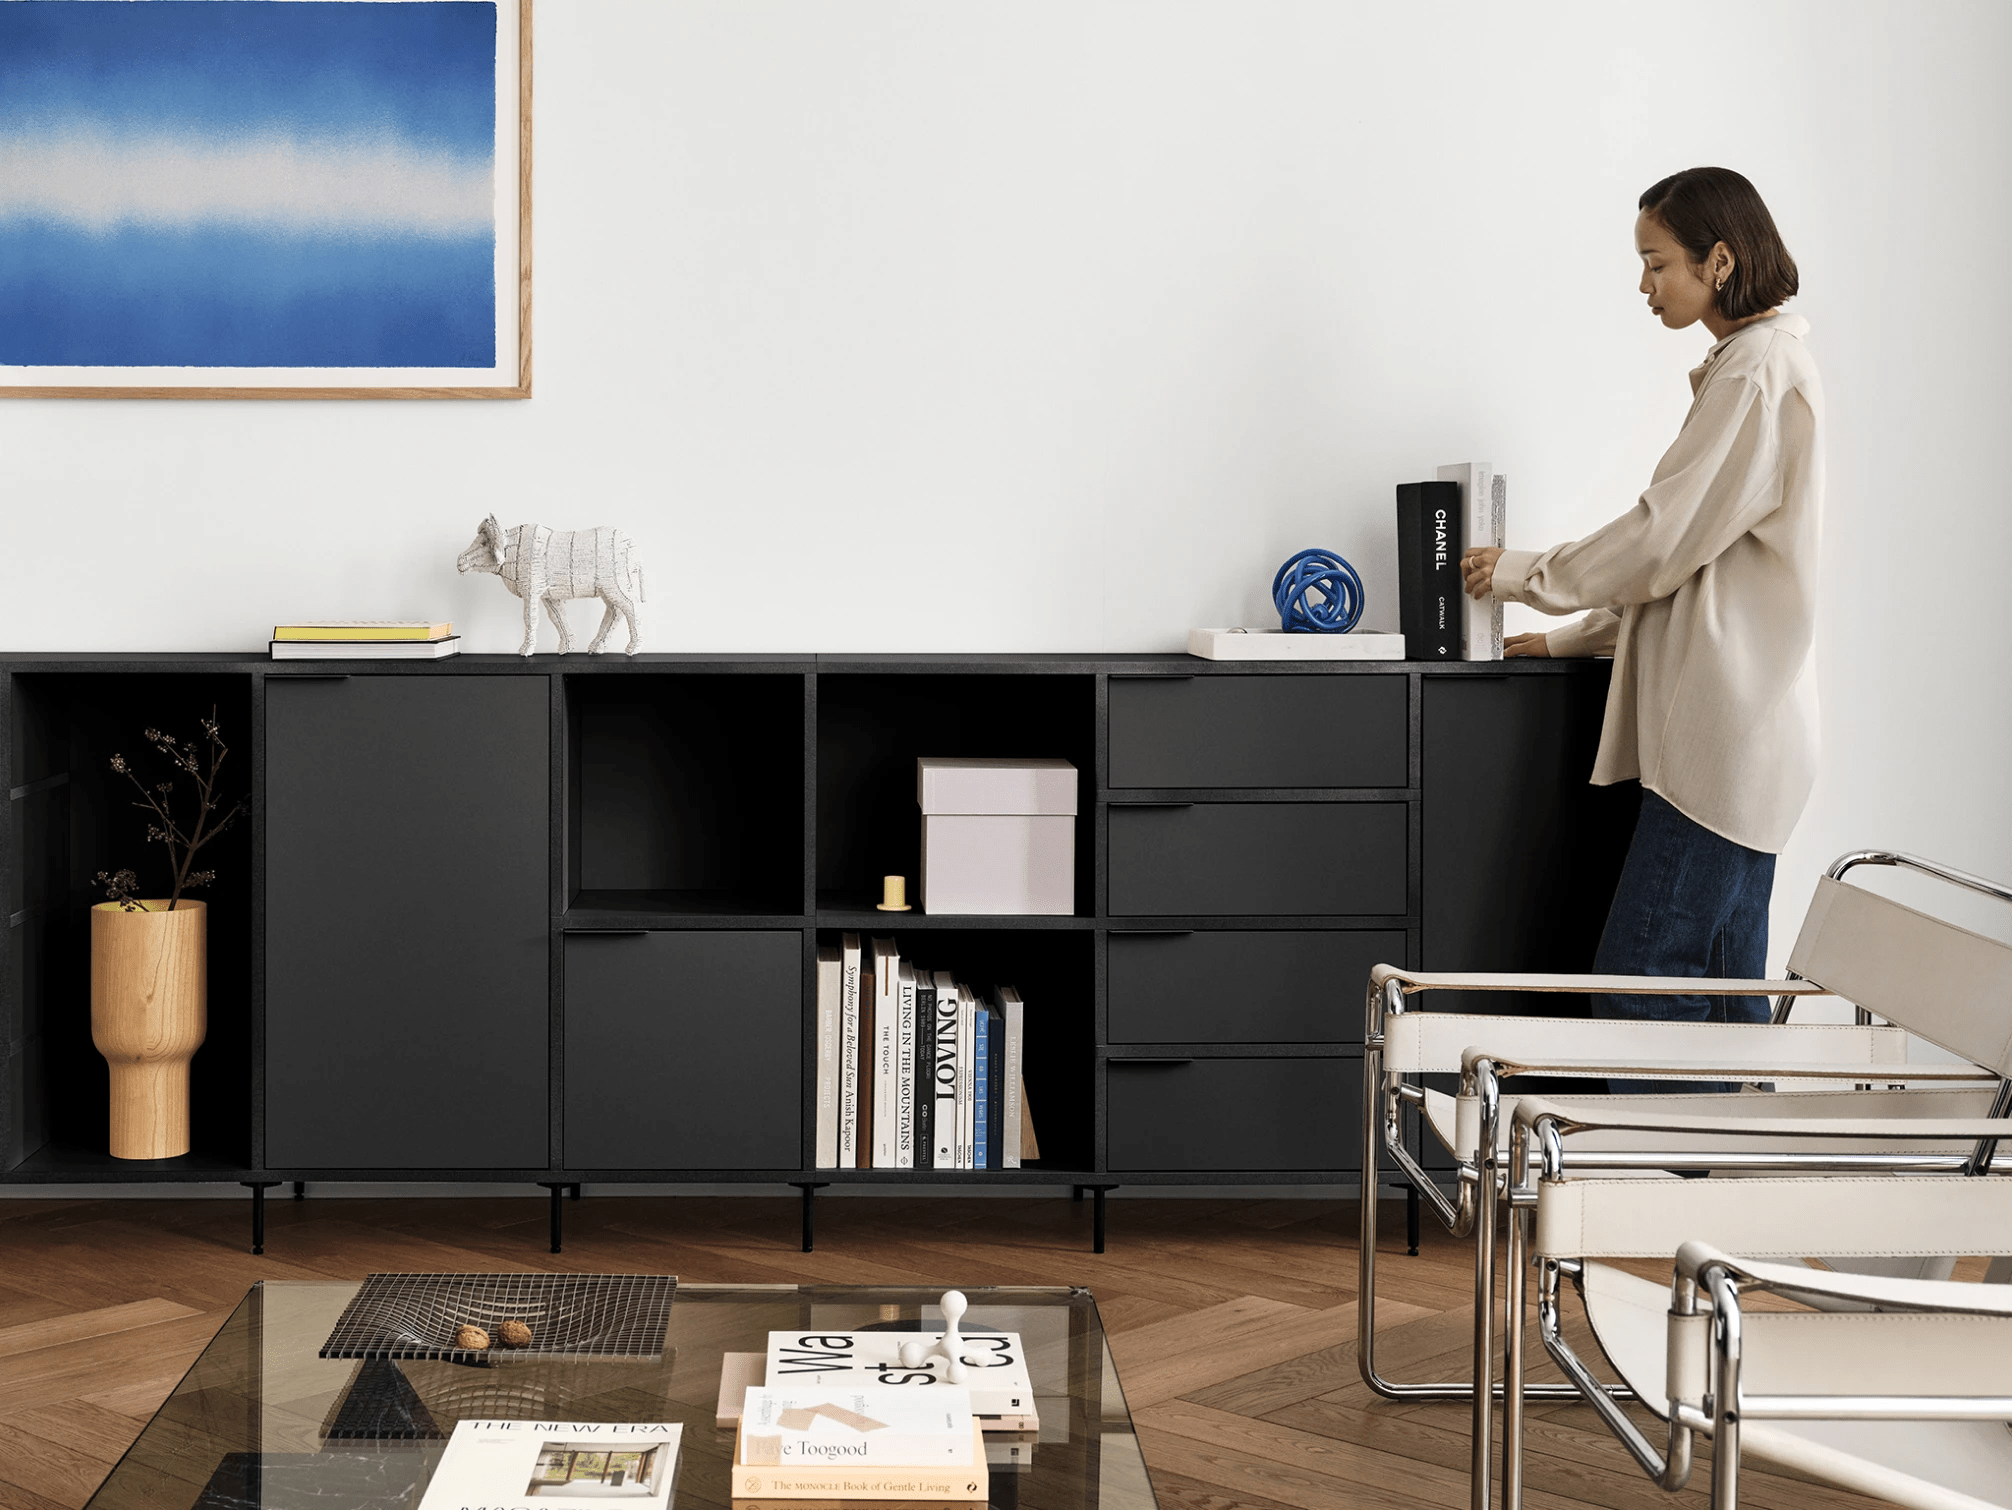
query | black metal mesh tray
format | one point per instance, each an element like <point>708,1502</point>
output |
<point>570,1316</point>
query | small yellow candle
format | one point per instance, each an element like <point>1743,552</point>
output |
<point>893,894</point>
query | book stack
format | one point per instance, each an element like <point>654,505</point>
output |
<point>916,1070</point>
<point>872,1443</point>
<point>364,640</point>
<point>1466,505</point>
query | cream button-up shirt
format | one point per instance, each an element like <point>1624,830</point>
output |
<point>1705,592</point>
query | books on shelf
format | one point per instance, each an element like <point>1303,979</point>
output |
<point>1483,507</point>
<point>1428,570</point>
<point>365,650</point>
<point>914,1069</point>
<point>569,1464</point>
<point>364,639</point>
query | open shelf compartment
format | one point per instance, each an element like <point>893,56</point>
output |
<point>70,817</point>
<point>684,796</point>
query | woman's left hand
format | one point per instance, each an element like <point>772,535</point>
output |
<point>1478,566</point>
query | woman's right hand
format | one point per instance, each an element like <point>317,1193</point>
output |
<point>1526,644</point>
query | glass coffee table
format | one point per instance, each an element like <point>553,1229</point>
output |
<point>261,1420</point>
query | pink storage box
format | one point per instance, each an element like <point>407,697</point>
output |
<point>998,836</point>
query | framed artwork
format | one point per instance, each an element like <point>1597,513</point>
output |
<point>265,198</point>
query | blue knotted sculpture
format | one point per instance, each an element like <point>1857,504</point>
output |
<point>1316,592</point>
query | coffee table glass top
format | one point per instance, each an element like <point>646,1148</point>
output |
<point>262,1421</point>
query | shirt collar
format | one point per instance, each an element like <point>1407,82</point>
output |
<point>1794,325</point>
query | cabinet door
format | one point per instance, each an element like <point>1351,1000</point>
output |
<point>1520,853</point>
<point>1232,986</point>
<point>408,835</point>
<point>684,1051</point>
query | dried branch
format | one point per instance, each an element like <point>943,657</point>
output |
<point>164,827</point>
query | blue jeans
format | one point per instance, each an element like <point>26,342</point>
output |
<point>1688,903</point>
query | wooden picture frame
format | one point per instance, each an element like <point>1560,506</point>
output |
<point>509,374</point>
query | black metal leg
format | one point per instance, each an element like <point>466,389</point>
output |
<point>810,1190</point>
<point>1411,1220</point>
<point>300,1190</point>
<point>1098,1219</point>
<point>1076,1194</point>
<point>558,1194</point>
<point>258,1189</point>
<point>573,1191</point>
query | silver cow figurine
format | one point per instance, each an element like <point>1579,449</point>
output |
<point>543,566</point>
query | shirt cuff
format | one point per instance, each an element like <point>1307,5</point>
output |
<point>1512,570</point>
<point>1592,634</point>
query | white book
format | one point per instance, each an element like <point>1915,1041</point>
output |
<point>876,1425</point>
<point>819,1357</point>
<point>574,1465</point>
<point>904,1069</point>
<point>886,1010</point>
<point>1014,1013</point>
<point>967,1083</point>
<point>848,1052</point>
<point>1483,506</point>
<point>830,991</point>
<point>943,1075</point>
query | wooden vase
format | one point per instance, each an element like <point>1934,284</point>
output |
<point>149,1012</point>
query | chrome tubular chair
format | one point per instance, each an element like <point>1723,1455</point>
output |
<point>1590,1208</point>
<point>1920,973</point>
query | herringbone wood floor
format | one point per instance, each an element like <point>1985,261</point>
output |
<point>1232,1322</point>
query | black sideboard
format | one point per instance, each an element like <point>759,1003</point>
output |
<point>555,921</point>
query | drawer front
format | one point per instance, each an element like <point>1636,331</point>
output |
<point>1259,731</point>
<point>684,1051</point>
<point>1275,986</point>
<point>1256,859</point>
<point>1220,1115</point>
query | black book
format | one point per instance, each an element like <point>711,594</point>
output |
<point>1428,570</point>
<point>925,1070</point>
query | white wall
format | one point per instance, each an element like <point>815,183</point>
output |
<point>1055,325</point>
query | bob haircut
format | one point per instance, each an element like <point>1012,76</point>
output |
<point>1704,206</point>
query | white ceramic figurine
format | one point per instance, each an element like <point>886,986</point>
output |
<point>541,566</point>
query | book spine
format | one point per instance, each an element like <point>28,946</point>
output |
<point>1498,536</point>
<point>1011,1074</point>
<point>868,1006</point>
<point>848,1053</point>
<point>925,1071</point>
<point>904,1075</point>
<point>1480,618</point>
<point>959,1485</point>
<point>829,989</point>
<point>1428,516</point>
<point>943,1119</point>
<point>995,1095</point>
<point>886,1026</point>
<point>964,1048</point>
<point>981,1095</point>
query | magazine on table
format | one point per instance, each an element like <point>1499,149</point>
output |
<point>570,1465</point>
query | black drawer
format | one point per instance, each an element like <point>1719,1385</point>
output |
<point>1234,1114</point>
<point>1258,731</point>
<point>1276,986</point>
<point>1245,859</point>
<point>684,1051</point>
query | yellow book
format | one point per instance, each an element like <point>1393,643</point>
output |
<point>363,629</point>
<point>969,1485</point>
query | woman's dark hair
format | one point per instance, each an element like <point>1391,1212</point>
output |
<point>1704,206</point>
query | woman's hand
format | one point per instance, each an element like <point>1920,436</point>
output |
<point>1478,567</point>
<point>1526,644</point>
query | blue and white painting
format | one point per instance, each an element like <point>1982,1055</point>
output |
<point>248,183</point>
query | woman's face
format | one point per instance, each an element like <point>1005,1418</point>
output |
<point>1679,292</point>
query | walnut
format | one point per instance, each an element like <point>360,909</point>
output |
<point>514,1334</point>
<point>471,1339</point>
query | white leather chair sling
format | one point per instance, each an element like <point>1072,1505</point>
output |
<point>1844,1202</point>
<point>1950,986</point>
<point>1909,1404</point>
<point>1401,1044</point>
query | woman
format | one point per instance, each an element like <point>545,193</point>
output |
<point>1705,594</point>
